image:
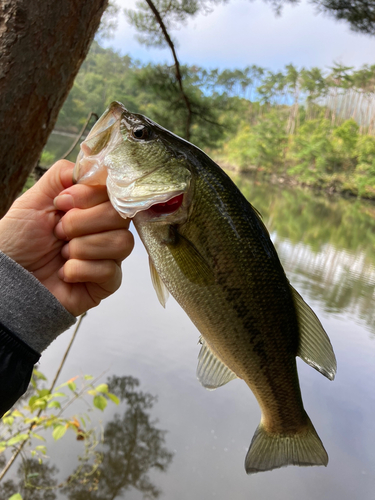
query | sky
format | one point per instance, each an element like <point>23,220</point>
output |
<point>244,32</point>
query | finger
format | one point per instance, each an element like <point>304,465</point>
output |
<point>116,244</point>
<point>80,196</point>
<point>106,273</point>
<point>56,179</point>
<point>77,222</point>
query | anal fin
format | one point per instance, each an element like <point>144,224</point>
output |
<point>211,371</point>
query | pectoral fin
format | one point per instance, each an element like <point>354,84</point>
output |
<point>314,345</point>
<point>211,372</point>
<point>160,288</point>
<point>189,260</point>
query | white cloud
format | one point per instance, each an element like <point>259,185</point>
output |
<point>243,32</point>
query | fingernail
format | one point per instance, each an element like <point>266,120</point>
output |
<point>64,202</point>
<point>59,231</point>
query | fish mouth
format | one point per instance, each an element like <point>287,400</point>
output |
<point>130,191</point>
<point>128,204</point>
<point>103,138</point>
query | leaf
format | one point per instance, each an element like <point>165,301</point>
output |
<point>88,377</point>
<point>72,386</point>
<point>68,382</point>
<point>37,436</point>
<point>102,388</point>
<point>17,439</point>
<point>16,496</point>
<point>54,404</point>
<point>16,413</point>
<point>92,392</point>
<point>40,403</point>
<point>113,398</point>
<point>58,395</point>
<point>32,400</point>
<point>100,402</point>
<point>58,432</point>
<point>41,448</point>
<point>8,420</point>
<point>38,374</point>
<point>43,392</point>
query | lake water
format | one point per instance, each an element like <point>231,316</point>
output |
<point>326,246</point>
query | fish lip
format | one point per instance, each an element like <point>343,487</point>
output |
<point>130,208</point>
<point>89,167</point>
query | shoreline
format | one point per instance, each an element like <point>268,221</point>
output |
<point>333,188</point>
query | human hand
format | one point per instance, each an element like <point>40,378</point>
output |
<point>69,236</point>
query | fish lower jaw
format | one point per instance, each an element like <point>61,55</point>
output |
<point>157,206</point>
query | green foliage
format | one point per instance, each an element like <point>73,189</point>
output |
<point>311,149</point>
<point>132,447</point>
<point>260,146</point>
<point>43,411</point>
<point>313,126</point>
<point>172,12</point>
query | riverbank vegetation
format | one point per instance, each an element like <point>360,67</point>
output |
<point>310,126</point>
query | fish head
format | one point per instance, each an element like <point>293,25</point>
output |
<point>138,161</point>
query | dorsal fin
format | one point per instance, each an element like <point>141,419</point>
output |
<point>160,288</point>
<point>211,371</point>
<point>314,345</point>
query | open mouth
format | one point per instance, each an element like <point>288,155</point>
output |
<point>169,206</point>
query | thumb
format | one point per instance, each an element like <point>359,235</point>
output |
<point>56,179</point>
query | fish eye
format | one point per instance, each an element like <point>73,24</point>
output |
<point>141,132</point>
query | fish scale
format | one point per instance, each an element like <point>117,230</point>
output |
<point>212,252</point>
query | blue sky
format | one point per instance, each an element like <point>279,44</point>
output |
<point>244,32</point>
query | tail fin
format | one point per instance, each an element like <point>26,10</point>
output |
<point>271,451</point>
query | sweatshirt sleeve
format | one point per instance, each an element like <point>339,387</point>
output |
<point>30,319</point>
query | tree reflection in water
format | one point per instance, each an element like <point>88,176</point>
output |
<point>132,447</point>
<point>326,244</point>
<point>36,481</point>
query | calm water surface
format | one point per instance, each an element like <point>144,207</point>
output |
<point>327,249</point>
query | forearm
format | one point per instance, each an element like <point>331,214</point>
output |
<point>28,309</point>
<point>30,319</point>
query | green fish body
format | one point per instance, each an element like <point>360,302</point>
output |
<point>210,249</point>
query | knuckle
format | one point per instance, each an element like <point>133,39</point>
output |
<point>125,242</point>
<point>109,269</point>
<point>69,222</point>
<point>71,270</point>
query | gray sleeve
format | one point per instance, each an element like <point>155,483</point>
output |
<point>28,309</point>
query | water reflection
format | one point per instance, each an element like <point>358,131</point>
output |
<point>326,245</point>
<point>35,481</point>
<point>133,446</point>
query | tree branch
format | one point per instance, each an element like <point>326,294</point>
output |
<point>176,63</point>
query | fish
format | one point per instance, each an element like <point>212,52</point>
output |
<point>209,248</point>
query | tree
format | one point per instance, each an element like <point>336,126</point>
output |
<point>42,46</point>
<point>154,20</point>
<point>133,447</point>
<point>359,13</point>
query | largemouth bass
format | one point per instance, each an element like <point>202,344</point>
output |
<point>209,248</point>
